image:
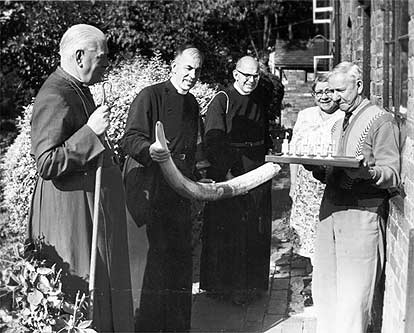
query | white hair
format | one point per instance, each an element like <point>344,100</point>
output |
<point>79,37</point>
<point>350,69</point>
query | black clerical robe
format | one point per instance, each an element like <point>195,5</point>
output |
<point>237,231</point>
<point>66,151</point>
<point>166,293</point>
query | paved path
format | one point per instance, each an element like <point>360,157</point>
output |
<point>281,310</point>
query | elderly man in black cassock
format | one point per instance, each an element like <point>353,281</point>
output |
<point>66,131</point>
<point>236,232</point>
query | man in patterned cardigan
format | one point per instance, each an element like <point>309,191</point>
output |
<point>349,249</point>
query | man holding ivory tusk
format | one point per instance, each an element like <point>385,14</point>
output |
<point>165,303</point>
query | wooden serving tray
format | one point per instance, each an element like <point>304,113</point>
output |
<point>338,161</point>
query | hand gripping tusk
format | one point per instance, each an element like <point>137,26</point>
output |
<point>211,191</point>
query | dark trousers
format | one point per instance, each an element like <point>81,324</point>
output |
<point>166,294</point>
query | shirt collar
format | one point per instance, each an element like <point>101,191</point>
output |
<point>241,92</point>
<point>361,105</point>
<point>177,88</point>
<point>61,72</point>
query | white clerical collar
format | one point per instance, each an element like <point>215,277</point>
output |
<point>179,90</point>
<point>241,92</point>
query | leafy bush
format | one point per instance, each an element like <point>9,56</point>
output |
<point>36,301</point>
<point>19,172</point>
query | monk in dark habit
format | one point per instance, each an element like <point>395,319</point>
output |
<point>237,232</point>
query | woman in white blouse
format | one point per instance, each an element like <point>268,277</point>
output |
<point>312,134</point>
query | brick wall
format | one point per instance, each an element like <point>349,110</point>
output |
<point>398,301</point>
<point>377,56</point>
<point>398,311</point>
<point>297,96</point>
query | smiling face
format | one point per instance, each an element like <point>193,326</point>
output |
<point>346,92</point>
<point>323,99</point>
<point>246,74</point>
<point>93,61</point>
<point>186,70</point>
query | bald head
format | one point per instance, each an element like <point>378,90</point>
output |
<point>246,75</point>
<point>247,62</point>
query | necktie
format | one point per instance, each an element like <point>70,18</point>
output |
<point>346,120</point>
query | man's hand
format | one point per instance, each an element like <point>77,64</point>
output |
<point>365,171</point>
<point>99,120</point>
<point>158,154</point>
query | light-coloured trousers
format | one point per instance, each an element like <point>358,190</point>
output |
<point>349,256</point>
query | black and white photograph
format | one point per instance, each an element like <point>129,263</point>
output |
<point>207,166</point>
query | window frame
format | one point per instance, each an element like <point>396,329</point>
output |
<point>397,37</point>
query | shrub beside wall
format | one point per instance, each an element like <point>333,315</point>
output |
<point>127,80</point>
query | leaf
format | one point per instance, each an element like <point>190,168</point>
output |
<point>54,301</point>
<point>85,324</point>
<point>90,330</point>
<point>44,271</point>
<point>43,285</point>
<point>47,329</point>
<point>35,297</point>
<point>29,266</point>
<point>67,307</point>
<point>13,281</point>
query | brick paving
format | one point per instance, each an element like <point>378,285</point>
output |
<point>281,309</point>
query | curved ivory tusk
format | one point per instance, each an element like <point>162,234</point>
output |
<point>211,191</point>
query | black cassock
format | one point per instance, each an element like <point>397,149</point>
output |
<point>236,232</point>
<point>166,293</point>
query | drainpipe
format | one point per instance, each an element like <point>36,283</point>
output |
<point>337,37</point>
<point>386,59</point>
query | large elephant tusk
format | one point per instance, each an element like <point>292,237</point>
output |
<point>211,191</point>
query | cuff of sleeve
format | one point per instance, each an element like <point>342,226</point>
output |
<point>145,158</point>
<point>86,143</point>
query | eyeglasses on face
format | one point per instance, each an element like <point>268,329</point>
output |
<point>327,92</point>
<point>248,76</point>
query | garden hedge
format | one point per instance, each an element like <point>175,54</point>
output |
<point>127,80</point>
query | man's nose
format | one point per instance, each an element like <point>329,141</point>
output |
<point>335,96</point>
<point>193,73</point>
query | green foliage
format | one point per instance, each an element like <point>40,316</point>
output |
<point>38,304</point>
<point>19,172</point>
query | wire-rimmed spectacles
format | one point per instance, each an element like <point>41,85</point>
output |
<point>327,92</point>
<point>248,75</point>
